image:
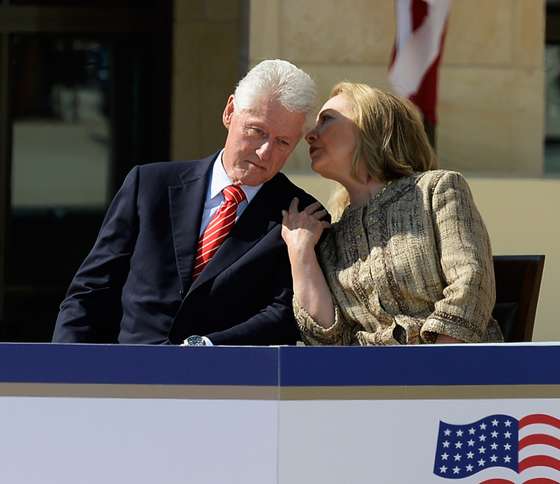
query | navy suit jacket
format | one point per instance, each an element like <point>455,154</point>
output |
<point>135,285</point>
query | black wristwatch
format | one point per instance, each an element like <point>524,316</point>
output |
<point>195,340</point>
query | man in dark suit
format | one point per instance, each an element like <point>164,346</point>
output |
<point>159,274</point>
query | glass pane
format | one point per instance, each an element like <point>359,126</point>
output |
<point>552,66</point>
<point>84,108</point>
<point>61,131</point>
<point>86,3</point>
<point>552,119</point>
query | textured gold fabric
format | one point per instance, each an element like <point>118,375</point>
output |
<point>412,263</point>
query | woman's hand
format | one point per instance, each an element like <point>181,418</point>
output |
<point>444,339</point>
<point>302,230</point>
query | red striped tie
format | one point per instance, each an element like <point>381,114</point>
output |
<point>218,228</point>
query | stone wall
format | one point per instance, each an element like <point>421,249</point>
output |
<point>208,50</point>
<point>491,107</point>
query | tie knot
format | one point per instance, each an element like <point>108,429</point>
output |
<point>233,194</point>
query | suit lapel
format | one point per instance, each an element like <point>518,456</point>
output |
<point>255,222</point>
<point>186,203</point>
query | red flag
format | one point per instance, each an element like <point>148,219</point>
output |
<point>413,72</point>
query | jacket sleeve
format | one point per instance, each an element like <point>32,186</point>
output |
<point>91,310</point>
<point>466,263</point>
<point>339,333</point>
<point>274,323</point>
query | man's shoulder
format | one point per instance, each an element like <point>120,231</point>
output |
<point>175,166</point>
<point>285,189</point>
<point>173,171</point>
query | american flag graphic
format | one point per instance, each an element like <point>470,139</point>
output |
<point>528,447</point>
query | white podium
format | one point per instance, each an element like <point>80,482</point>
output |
<point>282,415</point>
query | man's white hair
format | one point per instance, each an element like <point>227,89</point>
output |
<point>278,80</point>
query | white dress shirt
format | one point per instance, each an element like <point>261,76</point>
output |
<point>214,198</point>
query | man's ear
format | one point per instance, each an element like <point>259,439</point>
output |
<point>228,112</point>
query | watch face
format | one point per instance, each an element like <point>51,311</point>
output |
<point>196,341</point>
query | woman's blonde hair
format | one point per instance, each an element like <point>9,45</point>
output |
<point>392,141</point>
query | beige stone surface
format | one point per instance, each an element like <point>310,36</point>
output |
<point>490,142</point>
<point>529,33</point>
<point>264,30</point>
<point>518,223</point>
<point>491,89</point>
<point>491,120</point>
<point>327,75</point>
<point>491,85</point>
<point>337,31</point>
<point>480,32</point>
<point>207,57</point>
<point>476,142</point>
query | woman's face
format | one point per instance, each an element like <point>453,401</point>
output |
<point>333,139</point>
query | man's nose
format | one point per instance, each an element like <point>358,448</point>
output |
<point>264,150</point>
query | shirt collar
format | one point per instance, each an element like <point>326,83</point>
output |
<point>220,180</point>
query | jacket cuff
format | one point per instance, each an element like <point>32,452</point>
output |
<point>450,325</point>
<point>315,334</point>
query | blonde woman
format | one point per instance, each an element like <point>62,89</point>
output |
<point>408,259</point>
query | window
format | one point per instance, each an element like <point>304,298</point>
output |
<point>84,96</point>
<point>552,89</point>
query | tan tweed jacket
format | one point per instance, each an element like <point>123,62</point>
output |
<point>412,263</point>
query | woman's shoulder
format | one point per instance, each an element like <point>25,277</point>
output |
<point>423,178</point>
<point>437,175</point>
<point>435,180</point>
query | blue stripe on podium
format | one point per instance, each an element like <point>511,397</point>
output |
<point>147,365</point>
<point>285,366</point>
<point>500,364</point>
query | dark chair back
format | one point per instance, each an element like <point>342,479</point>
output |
<point>518,281</point>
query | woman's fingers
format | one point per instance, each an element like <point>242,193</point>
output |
<point>320,214</point>
<point>300,229</point>
<point>312,208</point>
<point>315,209</point>
<point>309,218</point>
<point>294,206</point>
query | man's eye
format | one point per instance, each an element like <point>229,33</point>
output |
<point>283,142</point>
<point>255,131</point>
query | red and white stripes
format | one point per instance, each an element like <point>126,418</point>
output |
<point>413,72</point>
<point>218,228</point>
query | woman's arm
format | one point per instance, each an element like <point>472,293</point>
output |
<point>466,261</point>
<point>301,231</point>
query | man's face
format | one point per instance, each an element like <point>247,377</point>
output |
<point>259,140</point>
